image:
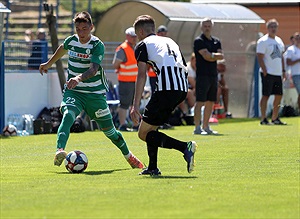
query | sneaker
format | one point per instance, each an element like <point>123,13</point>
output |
<point>135,162</point>
<point>228,115</point>
<point>200,131</point>
<point>189,155</point>
<point>203,132</point>
<point>125,128</point>
<point>60,155</point>
<point>166,126</point>
<point>278,122</point>
<point>197,130</point>
<point>154,172</point>
<point>209,132</point>
<point>265,122</point>
<point>135,128</point>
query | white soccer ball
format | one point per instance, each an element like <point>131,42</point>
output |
<point>76,161</point>
<point>9,130</point>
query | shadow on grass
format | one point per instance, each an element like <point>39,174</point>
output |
<point>93,173</point>
<point>171,177</point>
<point>237,120</point>
<point>214,135</point>
<point>101,172</point>
<point>7,137</point>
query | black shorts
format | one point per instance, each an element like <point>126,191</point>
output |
<point>206,88</point>
<point>126,94</point>
<point>161,105</point>
<point>271,84</point>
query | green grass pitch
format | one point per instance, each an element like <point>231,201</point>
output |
<point>248,171</point>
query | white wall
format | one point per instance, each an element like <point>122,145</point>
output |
<point>29,92</point>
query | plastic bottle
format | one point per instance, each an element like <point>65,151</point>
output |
<point>19,122</point>
<point>28,123</point>
<point>10,120</point>
<point>22,133</point>
<point>16,120</point>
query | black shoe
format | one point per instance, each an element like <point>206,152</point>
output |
<point>189,155</point>
<point>125,128</point>
<point>166,126</point>
<point>135,128</point>
<point>146,171</point>
<point>278,122</point>
<point>228,115</point>
<point>265,122</point>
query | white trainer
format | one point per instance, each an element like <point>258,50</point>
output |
<point>209,131</point>
<point>59,157</point>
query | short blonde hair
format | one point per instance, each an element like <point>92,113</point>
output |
<point>272,21</point>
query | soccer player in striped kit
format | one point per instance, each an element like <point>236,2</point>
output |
<point>166,59</point>
<point>86,87</point>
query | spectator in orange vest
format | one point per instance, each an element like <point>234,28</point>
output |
<point>152,79</point>
<point>125,65</point>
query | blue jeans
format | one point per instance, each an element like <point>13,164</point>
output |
<point>296,81</point>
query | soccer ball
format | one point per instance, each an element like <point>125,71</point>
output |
<point>76,161</point>
<point>9,130</point>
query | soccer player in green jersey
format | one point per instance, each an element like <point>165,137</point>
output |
<point>85,88</point>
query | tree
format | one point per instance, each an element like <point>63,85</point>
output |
<point>51,22</point>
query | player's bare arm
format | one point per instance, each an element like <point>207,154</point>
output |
<point>211,56</point>
<point>290,62</point>
<point>73,82</point>
<point>260,59</point>
<point>117,63</point>
<point>60,52</point>
<point>139,89</point>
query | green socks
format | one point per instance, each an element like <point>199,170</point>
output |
<point>115,136</point>
<point>106,126</point>
<point>63,131</point>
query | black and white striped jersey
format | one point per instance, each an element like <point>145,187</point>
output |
<point>167,61</point>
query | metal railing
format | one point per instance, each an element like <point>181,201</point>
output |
<point>22,55</point>
<point>40,4</point>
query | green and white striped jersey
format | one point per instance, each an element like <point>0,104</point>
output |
<point>80,57</point>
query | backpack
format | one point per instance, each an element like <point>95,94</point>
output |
<point>288,111</point>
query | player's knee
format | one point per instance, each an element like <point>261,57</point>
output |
<point>69,111</point>
<point>112,134</point>
<point>69,115</point>
<point>154,138</point>
<point>142,135</point>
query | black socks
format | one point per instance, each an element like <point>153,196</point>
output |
<point>157,139</point>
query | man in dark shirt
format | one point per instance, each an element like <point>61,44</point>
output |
<point>39,51</point>
<point>207,50</point>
